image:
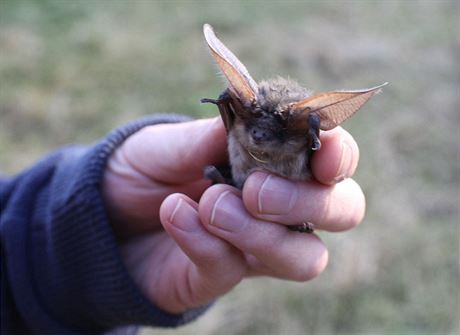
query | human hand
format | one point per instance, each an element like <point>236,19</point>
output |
<point>186,243</point>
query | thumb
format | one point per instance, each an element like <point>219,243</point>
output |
<point>176,153</point>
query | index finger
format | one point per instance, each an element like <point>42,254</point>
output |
<point>334,208</point>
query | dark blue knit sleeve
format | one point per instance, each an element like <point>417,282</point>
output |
<point>61,271</point>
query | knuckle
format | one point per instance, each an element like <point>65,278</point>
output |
<point>211,254</point>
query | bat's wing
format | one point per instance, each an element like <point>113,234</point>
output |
<point>333,108</point>
<point>240,81</point>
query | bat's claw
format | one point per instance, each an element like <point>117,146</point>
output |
<point>315,142</point>
<point>305,227</point>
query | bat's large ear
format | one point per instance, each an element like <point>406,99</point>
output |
<point>333,107</point>
<point>241,83</point>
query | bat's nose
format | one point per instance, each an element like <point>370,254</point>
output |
<point>259,135</point>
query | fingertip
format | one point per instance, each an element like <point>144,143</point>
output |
<point>338,157</point>
<point>358,200</point>
<point>206,206</point>
<point>167,207</point>
<point>320,263</point>
<point>349,214</point>
<point>251,191</point>
<point>182,222</point>
<point>180,212</point>
<point>360,205</point>
<point>313,264</point>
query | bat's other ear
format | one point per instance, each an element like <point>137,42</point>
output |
<point>241,83</point>
<point>333,108</point>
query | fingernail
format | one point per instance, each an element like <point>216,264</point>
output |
<point>228,213</point>
<point>184,217</point>
<point>276,196</point>
<point>346,162</point>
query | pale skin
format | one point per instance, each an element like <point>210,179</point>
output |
<point>185,243</point>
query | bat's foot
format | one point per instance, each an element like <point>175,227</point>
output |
<point>305,227</point>
<point>218,175</point>
<point>213,174</point>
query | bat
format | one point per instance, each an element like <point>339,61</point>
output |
<point>273,125</point>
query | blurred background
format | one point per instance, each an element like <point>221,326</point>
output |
<point>70,71</point>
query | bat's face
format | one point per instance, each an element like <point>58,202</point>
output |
<point>268,133</point>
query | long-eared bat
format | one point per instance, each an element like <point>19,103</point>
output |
<point>273,125</point>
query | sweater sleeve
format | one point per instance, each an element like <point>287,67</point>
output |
<point>61,270</point>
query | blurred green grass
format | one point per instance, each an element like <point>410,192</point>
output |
<point>70,71</point>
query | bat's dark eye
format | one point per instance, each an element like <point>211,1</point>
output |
<point>281,121</point>
<point>257,113</point>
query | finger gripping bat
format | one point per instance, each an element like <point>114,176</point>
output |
<point>275,124</point>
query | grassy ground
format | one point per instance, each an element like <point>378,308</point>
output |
<point>72,70</point>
